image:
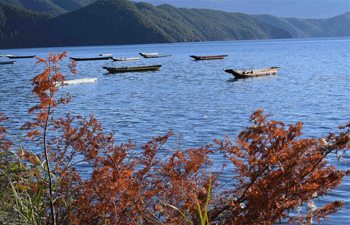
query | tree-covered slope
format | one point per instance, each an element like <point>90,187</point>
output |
<point>108,22</point>
<point>42,6</point>
<point>112,22</point>
<point>52,7</point>
<point>105,22</point>
<point>305,28</point>
<point>183,24</point>
<point>72,5</point>
<point>20,27</point>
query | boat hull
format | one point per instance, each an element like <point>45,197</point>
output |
<point>239,74</point>
<point>126,59</point>
<point>21,57</point>
<point>106,54</point>
<point>77,81</point>
<point>132,69</point>
<point>155,56</point>
<point>7,62</point>
<point>208,57</point>
<point>148,54</point>
<point>90,59</point>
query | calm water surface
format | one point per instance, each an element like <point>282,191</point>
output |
<point>197,98</point>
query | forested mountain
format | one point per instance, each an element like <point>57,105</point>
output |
<point>72,5</point>
<point>306,28</point>
<point>112,22</point>
<point>42,6</point>
<point>52,7</point>
<point>19,27</point>
<point>183,24</point>
<point>105,22</point>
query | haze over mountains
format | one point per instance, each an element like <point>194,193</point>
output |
<point>41,23</point>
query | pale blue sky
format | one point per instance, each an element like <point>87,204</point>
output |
<point>282,8</point>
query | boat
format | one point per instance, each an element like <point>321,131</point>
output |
<point>147,54</point>
<point>106,54</point>
<point>125,59</point>
<point>156,56</point>
<point>208,57</point>
<point>7,62</point>
<point>132,69</point>
<point>94,58</point>
<point>77,81</point>
<point>253,73</point>
<point>20,56</point>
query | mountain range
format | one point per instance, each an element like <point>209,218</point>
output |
<point>52,7</point>
<point>44,23</point>
<point>305,28</point>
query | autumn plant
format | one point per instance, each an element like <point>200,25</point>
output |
<point>277,172</point>
<point>274,172</point>
<point>203,217</point>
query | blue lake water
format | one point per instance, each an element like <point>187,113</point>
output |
<point>197,98</point>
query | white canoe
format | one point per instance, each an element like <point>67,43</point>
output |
<point>143,54</point>
<point>106,54</point>
<point>77,81</point>
<point>125,59</point>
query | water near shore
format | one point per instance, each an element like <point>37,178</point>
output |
<point>197,98</point>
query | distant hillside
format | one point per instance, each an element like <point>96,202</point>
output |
<point>112,22</point>
<point>306,28</point>
<point>19,27</point>
<point>52,7</point>
<point>42,6</point>
<point>181,24</point>
<point>105,22</point>
<point>115,22</point>
<point>72,5</point>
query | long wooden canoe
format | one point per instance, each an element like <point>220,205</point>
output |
<point>20,56</point>
<point>94,58</point>
<point>253,73</point>
<point>132,69</point>
<point>210,57</point>
<point>7,62</point>
<point>156,56</point>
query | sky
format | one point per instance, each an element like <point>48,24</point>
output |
<point>280,8</point>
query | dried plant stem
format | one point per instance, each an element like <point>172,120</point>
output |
<point>53,213</point>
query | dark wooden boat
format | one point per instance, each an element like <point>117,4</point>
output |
<point>155,56</point>
<point>7,62</point>
<point>94,58</point>
<point>20,56</point>
<point>132,69</point>
<point>253,73</point>
<point>208,57</point>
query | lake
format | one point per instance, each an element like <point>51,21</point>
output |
<point>197,98</point>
